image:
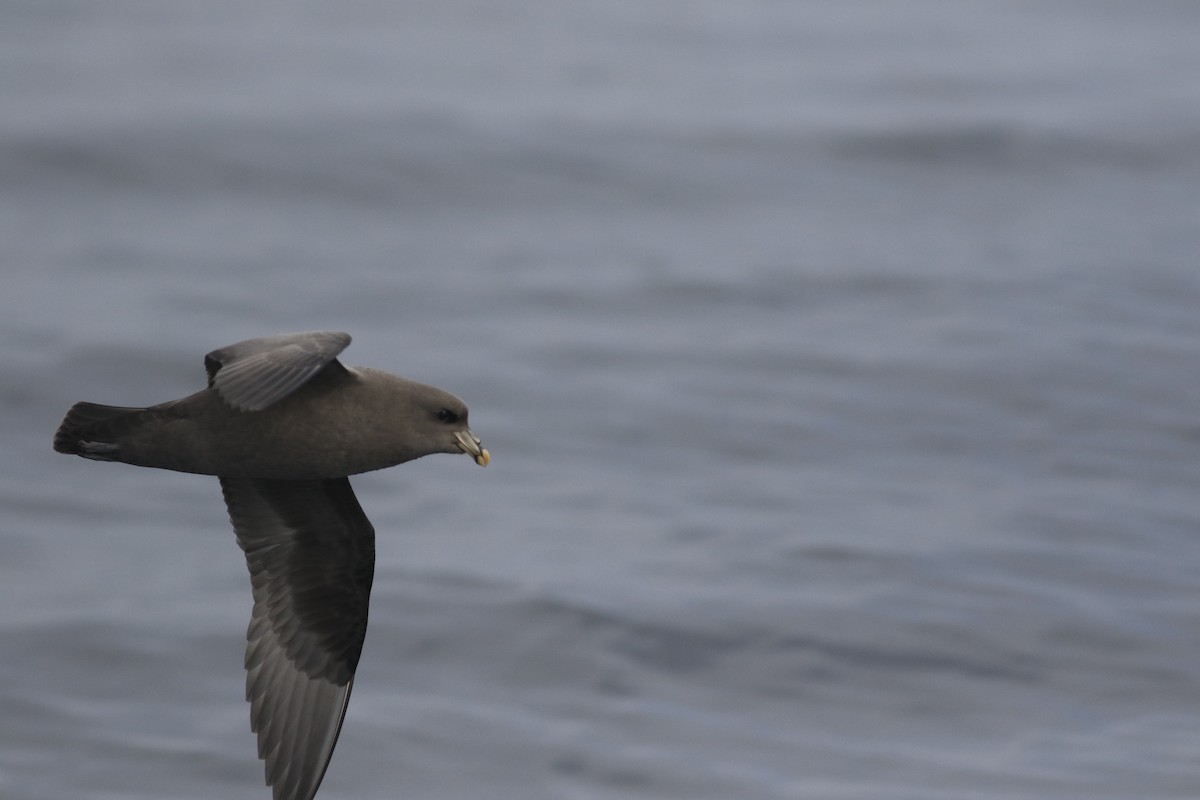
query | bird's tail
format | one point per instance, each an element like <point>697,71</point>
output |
<point>93,431</point>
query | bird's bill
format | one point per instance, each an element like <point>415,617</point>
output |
<point>471,445</point>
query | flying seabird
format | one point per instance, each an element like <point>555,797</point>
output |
<point>282,424</point>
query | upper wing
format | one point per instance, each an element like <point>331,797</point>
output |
<point>253,374</point>
<point>311,553</point>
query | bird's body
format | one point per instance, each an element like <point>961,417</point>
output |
<point>282,423</point>
<point>339,423</point>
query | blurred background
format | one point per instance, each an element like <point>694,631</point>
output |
<point>838,361</point>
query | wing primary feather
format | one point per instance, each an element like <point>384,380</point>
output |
<point>257,373</point>
<point>310,552</point>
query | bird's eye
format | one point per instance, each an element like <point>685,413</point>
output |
<point>446,415</point>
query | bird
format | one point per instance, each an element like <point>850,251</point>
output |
<point>283,424</point>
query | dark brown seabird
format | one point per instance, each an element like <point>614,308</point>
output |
<point>282,424</point>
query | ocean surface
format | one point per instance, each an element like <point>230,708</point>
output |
<point>839,361</point>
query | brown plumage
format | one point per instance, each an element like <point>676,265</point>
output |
<point>282,424</point>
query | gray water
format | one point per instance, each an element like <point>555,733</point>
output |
<point>838,361</point>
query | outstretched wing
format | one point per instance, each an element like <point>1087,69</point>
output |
<point>253,374</point>
<point>311,553</point>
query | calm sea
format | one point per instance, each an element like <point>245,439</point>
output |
<point>839,361</point>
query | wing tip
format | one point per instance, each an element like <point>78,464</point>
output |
<point>253,374</point>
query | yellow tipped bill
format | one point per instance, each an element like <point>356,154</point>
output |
<point>471,445</point>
